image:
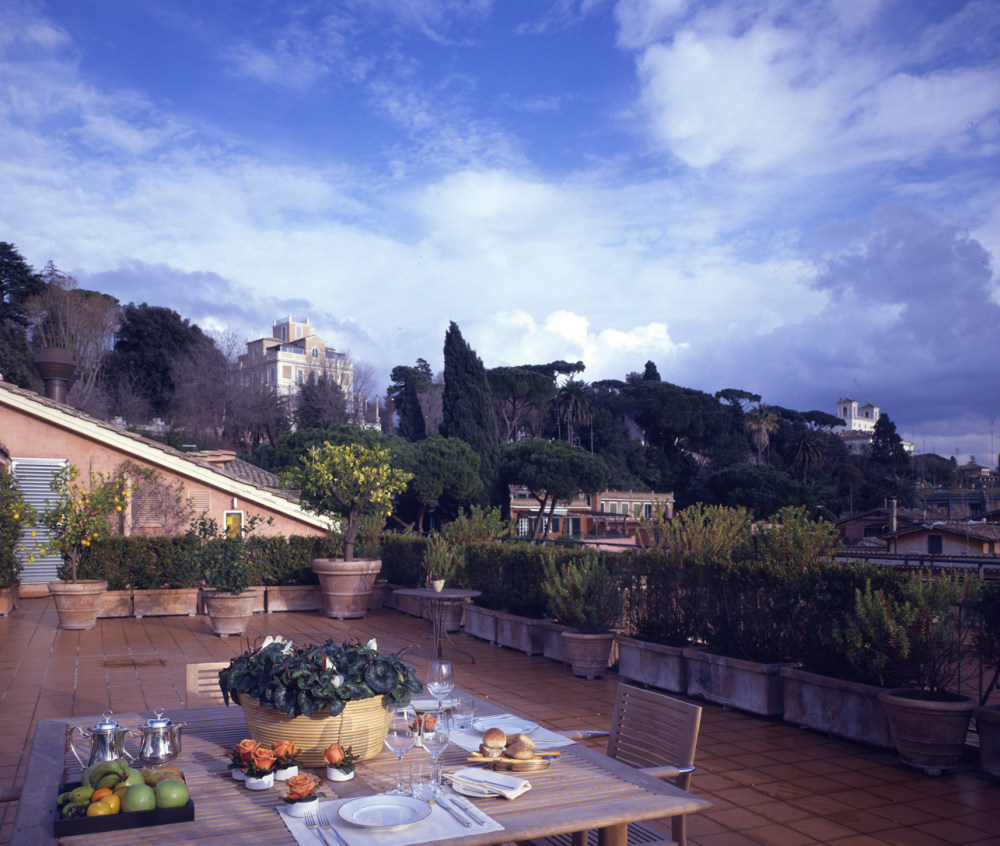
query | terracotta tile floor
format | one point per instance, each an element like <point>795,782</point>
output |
<point>770,783</point>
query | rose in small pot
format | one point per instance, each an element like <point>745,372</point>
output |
<point>240,757</point>
<point>340,762</point>
<point>301,795</point>
<point>260,769</point>
<point>286,758</point>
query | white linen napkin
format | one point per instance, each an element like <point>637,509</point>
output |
<point>438,826</point>
<point>508,786</point>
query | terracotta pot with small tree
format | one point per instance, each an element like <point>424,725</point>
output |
<point>343,483</point>
<point>15,516</point>
<point>80,515</point>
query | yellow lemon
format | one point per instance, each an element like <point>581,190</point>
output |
<point>114,801</point>
<point>99,809</point>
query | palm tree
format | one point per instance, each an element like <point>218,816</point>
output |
<point>806,452</point>
<point>760,424</point>
<point>574,403</point>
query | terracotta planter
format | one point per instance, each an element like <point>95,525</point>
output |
<point>589,653</point>
<point>230,612</point>
<point>165,602</point>
<point>346,585</point>
<point>653,664</point>
<point>294,598</point>
<point>78,603</point>
<point>747,685</point>
<point>521,633</point>
<point>362,725</point>
<point>8,599</point>
<point>481,623</point>
<point>842,708</point>
<point>928,734</point>
<point>116,603</point>
<point>988,723</point>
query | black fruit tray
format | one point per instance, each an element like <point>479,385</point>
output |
<point>120,821</point>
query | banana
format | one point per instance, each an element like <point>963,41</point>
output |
<point>110,781</point>
<point>116,767</point>
<point>63,798</point>
<point>85,778</point>
<point>75,809</point>
<point>81,794</point>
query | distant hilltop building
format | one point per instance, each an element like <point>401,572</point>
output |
<point>292,353</point>
<point>859,425</point>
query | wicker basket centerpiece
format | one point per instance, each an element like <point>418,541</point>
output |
<point>318,695</point>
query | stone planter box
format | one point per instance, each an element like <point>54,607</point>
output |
<point>168,602</point>
<point>653,664</point>
<point>410,605</point>
<point>746,685</point>
<point>379,594</point>
<point>554,647</point>
<point>521,633</point>
<point>389,598</point>
<point>841,708</point>
<point>293,598</point>
<point>116,603</point>
<point>481,623</point>
<point>988,724</point>
<point>8,599</point>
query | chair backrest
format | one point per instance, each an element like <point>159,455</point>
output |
<point>201,684</point>
<point>649,730</point>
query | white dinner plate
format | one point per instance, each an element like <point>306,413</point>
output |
<point>508,725</point>
<point>475,792</point>
<point>385,812</point>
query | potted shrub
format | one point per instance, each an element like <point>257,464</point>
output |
<point>319,694</point>
<point>15,515</point>
<point>229,563</point>
<point>346,482</point>
<point>913,644</point>
<point>987,641</point>
<point>585,595</point>
<point>80,516</point>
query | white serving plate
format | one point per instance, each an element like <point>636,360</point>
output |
<point>508,725</point>
<point>384,812</point>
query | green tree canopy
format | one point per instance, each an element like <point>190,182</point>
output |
<point>18,283</point>
<point>408,384</point>
<point>443,470</point>
<point>518,393</point>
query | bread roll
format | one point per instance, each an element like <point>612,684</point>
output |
<point>520,751</point>
<point>494,738</point>
<point>520,738</point>
<point>489,751</point>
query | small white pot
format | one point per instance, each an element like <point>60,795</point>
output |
<point>285,773</point>
<point>302,809</point>
<point>333,774</point>
<point>238,774</point>
<point>260,783</point>
<point>438,585</point>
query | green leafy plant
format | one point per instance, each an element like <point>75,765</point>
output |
<point>583,593</point>
<point>478,525</point>
<point>347,481</point>
<point>15,516</point>
<point>327,675</point>
<point>228,561</point>
<point>442,560</point>
<point>987,635</point>
<point>81,514</point>
<point>914,639</point>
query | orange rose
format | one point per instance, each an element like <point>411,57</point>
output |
<point>245,749</point>
<point>284,750</point>
<point>333,754</point>
<point>300,786</point>
<point>262,759</point>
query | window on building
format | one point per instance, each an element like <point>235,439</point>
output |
<point>935,544</point>
<point>315,352</point>
<point>614,507</point>
<point>523,527</point>
<point>284,333</point>
<point>649,510</point>
<point>234,524</point>
<point>298,332</point>
<point>555,525</point>
<point>300,375</point>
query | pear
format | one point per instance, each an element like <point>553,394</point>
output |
<point>81,794</point>
<point>131,777</point>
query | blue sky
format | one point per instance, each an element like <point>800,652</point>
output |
<point>795,198</point>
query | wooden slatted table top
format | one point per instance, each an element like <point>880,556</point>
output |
<point>583,789</point>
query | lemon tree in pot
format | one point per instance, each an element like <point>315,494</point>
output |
<point>80,515</point>
<point>15,516</point>
<point>585,595</point>
<point>344,482</point>
<point>912,642</point>
<point>228,563</point>
<point>319,694</point>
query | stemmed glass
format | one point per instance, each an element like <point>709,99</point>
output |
<point>400,739</point>
<point>436,741</point>
<point>440,680</point>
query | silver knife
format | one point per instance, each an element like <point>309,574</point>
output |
<point>453,812</point>
<point>471,810</point>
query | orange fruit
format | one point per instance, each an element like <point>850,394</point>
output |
<point>120,792</point>
<point>97,795</point>
<point>100,808</point>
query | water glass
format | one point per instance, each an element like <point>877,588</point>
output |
<point>425,784</point>
<point>440,680</point>
<point>400,739</point>
<point>462,712</point>
<point>436,741</point>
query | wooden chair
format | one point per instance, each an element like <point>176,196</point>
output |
<point>657,735</point>
<point>201,684</point>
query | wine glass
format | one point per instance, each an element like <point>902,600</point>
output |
<point>437,740</point>
<point>440,680</point>
<point>400,739</point>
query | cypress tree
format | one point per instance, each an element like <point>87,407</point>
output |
<point>468,410</point>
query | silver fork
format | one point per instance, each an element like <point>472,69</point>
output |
<point>324,823</point>
<point>312,823</point>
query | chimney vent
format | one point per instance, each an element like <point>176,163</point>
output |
<point>893,518</point>
<point>58,372</point>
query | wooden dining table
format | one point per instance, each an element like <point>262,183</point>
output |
<point>583,789</point>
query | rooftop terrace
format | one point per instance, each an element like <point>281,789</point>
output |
<point>769,782</point>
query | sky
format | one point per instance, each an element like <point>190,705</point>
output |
<point>797,198</point>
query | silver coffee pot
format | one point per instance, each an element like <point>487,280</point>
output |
<point>161,740</point>
<point>107,741</point>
